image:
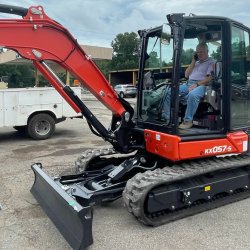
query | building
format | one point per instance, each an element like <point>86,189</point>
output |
<point>129,76</point>
<point>10,57</point>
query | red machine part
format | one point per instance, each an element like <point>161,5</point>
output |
<point>37,37</point>
<point>171,147</point>
<point>56,86</point>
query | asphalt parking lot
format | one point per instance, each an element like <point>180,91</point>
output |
<point>24,225</point>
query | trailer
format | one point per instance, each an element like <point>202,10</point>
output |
<point>35,110</point>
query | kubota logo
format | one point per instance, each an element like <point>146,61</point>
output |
<point>218,149</point>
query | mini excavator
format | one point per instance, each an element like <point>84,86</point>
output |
<point>164,173</point>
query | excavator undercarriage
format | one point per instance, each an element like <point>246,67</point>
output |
<point>155,197</point>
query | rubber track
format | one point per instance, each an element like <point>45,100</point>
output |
<point>84,158</point>
<point>139,186</point>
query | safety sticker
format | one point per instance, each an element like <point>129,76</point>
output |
<point>158,137</point>
<point>207,188</point>
<point>244,145</point>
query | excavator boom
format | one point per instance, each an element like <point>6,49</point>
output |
<point>38,38</point>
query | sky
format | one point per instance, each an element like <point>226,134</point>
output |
<point>97,22</point>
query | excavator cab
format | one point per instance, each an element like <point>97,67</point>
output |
<point>163,65</point>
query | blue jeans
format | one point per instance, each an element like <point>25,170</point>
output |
<point>193,99</point>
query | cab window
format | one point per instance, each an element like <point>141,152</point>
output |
<point>240,78</point>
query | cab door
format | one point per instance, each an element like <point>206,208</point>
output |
<point>240,78</point>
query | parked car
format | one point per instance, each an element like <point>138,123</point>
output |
<point>126,90</point>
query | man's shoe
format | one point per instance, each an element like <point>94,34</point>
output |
<point>186,125</point>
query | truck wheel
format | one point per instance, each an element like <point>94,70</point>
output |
<point>41,127</point>
<point>20,128</point>
<point>122,95</point>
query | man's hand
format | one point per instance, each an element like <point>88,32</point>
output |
<point>190,67</point>
<point>192,87</point>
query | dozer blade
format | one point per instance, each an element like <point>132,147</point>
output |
<point>72,220</point>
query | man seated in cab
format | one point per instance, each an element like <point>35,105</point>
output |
<point>199,75</point>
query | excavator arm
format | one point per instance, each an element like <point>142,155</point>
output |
<point>38,38</point>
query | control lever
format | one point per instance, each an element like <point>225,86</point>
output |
<point>215,84</point>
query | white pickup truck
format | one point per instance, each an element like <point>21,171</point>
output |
<point>34,110</point>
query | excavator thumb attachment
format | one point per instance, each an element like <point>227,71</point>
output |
<point>72,220</point>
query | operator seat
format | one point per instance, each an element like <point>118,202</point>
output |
<point>207,113</point>
<point>212,94</point>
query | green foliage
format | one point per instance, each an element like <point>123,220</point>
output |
<point>153,61</point>
<point>105,67</point>
<point>124,56</point>
<point>216,54</point>
<point>19,75</point>
<point>187,56</point>
<point>62,76</point>
<point>43,82</point>
<point>22,76</point>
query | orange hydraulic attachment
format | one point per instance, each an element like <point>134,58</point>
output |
<point>37,37</point>
<point>171,147</point>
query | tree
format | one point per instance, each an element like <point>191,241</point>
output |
<point>105,67</point>
<point>19,75</point>
<point>216,54</point>
<point>124,56</point>
<point>187,56</point>
<point>22,76</point>
<point>62,76</point>
<point>153,61</point>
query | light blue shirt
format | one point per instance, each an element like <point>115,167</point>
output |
<point>202,69</point>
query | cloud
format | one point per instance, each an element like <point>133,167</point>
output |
<point>97,22</point>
